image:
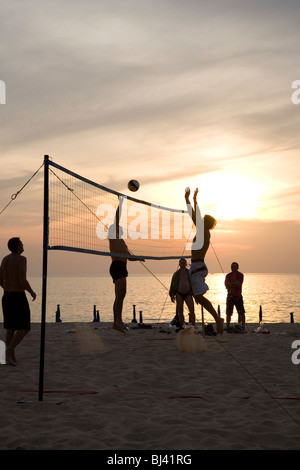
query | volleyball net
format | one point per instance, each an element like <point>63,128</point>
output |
<point>83,216</point>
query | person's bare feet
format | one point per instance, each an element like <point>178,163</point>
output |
<point>10,359</point>
<point>120,327</point>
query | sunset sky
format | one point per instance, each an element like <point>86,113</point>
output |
<point>171,93</point>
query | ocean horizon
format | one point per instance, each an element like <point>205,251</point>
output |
<point>277,294</point>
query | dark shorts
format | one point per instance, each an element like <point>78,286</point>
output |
<point>16,311</point>
<point>184,296</point>
<point>234,301</point>
<point>118,269</point>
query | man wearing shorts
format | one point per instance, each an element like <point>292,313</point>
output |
<point>181,291</point>
<point>233,284</point>
<point>118,268</point>
<point>198,269</point>
<point>16,311</point>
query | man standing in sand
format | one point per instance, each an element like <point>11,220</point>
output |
<point>16,311</point>
<point>198,269</point>
<point>118,268</point>
<point>181,291</point>
<point>233,284</point>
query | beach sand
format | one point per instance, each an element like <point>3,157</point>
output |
<point>104,390</point>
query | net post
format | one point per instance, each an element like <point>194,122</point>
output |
<point>44,279</point>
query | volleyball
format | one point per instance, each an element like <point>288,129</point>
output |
<point>133,185</point>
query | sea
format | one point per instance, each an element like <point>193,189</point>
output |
<point>78,299</point>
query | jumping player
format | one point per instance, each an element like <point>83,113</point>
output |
<point>198,269</point>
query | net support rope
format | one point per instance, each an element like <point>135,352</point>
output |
<point>260,384</point>
<point>14,196</point>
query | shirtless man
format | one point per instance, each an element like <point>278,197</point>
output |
<point>198,270</point>
<point>181,291</point>
<point>15,306</point>
<point>118,269</point>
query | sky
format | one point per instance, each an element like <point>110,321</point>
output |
<point>171,93</point>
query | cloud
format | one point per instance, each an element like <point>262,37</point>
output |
<point>15,183</point>
<point>258,246</point>
<point>100,66</point>
<point>161,177</point>
<point>287,200</point>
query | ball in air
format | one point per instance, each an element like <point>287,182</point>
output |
<point>133,185</point>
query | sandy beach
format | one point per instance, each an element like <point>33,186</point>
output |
<point>104,390</point>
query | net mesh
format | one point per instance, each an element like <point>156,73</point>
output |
<point>82,214</point>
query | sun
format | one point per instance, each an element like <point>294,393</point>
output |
<point>229,195</point>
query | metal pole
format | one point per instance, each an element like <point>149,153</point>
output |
<point>260,313</point>
<point>44,281</point>
<point>133,319</point>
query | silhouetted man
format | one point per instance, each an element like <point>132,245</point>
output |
<point>233,284</point>
<point>16,311</point>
